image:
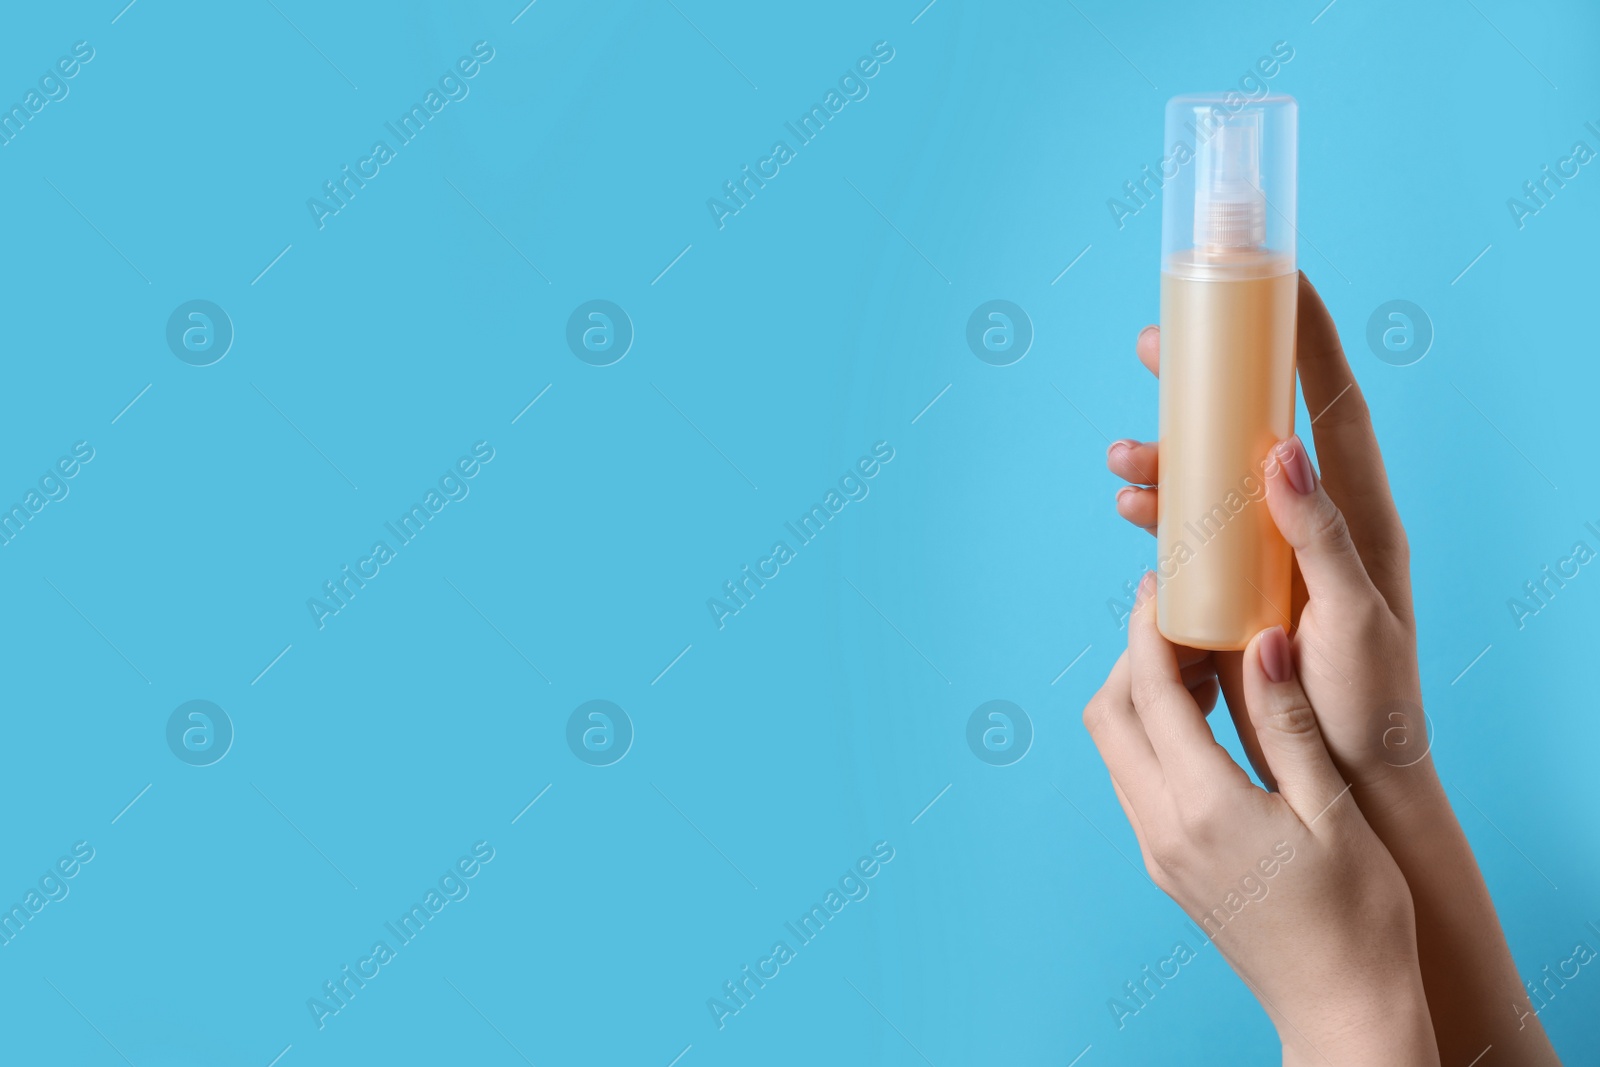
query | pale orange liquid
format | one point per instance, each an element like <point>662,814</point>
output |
<point>1227,394</point>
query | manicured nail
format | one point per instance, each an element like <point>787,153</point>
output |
<point>1296,465</point>
<point>1276,662</point>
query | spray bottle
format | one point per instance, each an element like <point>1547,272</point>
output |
<point>1228,288</point>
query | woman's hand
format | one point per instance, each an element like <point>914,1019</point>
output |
<point>1354,639</point>
<point>1292,886</point>
<point>1353,622</point>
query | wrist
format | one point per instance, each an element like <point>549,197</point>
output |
<point>1377,1025</point>
<point>1466,964</point>
<point>1399,799</point>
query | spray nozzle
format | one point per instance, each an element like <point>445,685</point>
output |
<point>1230,209</point>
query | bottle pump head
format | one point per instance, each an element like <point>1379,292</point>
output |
<point>1230,212</point>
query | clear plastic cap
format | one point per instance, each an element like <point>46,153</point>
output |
<point>1229,189</point>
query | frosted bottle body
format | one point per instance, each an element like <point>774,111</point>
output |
<point>1227,395</point>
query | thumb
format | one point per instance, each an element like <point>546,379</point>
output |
<point>1286,728</point>
<point>1316,530</point>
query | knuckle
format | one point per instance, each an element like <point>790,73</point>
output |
<point>1097,712</point>
<point>1327,526</point>
<point>1371,612</point>
<point>1400,546</point>
<point>1295,718</point>
<point>1094,712</point>
<point>1199,817</point>
<point>1167,852</point>
<point>1350,411</point>
<point>1158,874</point>
<point>1195,820</point>
<point>1368,615</point>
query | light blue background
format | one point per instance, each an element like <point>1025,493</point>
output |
<point>823,318</point>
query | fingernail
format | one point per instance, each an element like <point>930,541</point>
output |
<point>1296,465</point>
<point>1124,494</point>
<point>1117,446</point>
<point>1147,584</point>
<point>1147,331</point>
<point>1276,661</point>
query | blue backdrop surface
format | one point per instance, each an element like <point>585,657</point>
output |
<point>396,381</point>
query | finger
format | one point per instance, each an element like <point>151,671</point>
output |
<point>1317,531</point>
<point>1148,349</point>
<point>1134,461</point>
<point>1287,727</point>
<point>1173,722</point>
<point>1198,669</point>
<point>1195,673</point>
<point>1230,676</point>
<point>1138,506</point>
<point>1342,426</point>
<point>1119,736</point>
